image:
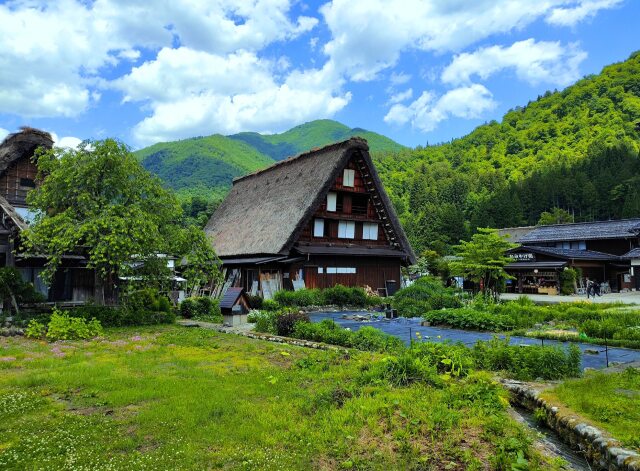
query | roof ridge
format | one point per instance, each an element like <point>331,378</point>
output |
<point>295,158</point>
<point>582,223</point>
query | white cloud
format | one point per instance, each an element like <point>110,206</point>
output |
<point>68,142</point>
<point>368,36</point>
<point>582,10</point>
<point>426,112</point>
<point>51,53</point>
<point>533,62</point>
<point>3,133</point>
<point>401,96</point>
<point>399,78</point>
<point>193,92</point>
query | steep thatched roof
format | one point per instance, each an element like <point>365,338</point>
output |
<point>266,211</point>
<point>23,143</point>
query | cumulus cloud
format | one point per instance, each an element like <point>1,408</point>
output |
<point>51,53</point>
<point>572,15</point>
<point>533,62</point>
<point>399,78</point>
<point>401,96</point>
<point>428,110</point>
<point>368,36</point>
<point>194,92</point>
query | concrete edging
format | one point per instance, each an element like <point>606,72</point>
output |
<point>600,449</point>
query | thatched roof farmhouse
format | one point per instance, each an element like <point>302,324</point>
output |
<point>313,220</point>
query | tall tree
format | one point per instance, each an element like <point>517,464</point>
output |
<point>98,201</point>
<point>482,259</point>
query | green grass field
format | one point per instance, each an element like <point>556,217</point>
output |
<point>611,401</point>
<point>177,398</point>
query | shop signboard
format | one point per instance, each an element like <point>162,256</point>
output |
<point>523,257</point>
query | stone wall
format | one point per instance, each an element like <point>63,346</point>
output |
<point>602,451</point>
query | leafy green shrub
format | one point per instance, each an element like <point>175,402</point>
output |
<point>201,307</point>
<point>629,333</point>
<point>35,330</point>
<point>63,327</point>
<point>528,362</point>
<point>425,293</point>
<point>366,338</point>
<point>412,308</point>
<point>286,321</point>
<point>401,370</point>
<point>114,316</point>
<point>602,329</point>
<point>270,305</point>
<point>449,358</point>
<point>465,318</point>
<point>340,295</point>
<point>265,321</point>
<point>301,298</point>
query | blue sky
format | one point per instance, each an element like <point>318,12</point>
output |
<point>417,71</point>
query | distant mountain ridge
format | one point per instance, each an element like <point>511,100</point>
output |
<point>207,165</point>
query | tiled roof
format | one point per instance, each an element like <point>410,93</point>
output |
<point>634,253</point>
<point>619,229</point>
<point>570,253</point>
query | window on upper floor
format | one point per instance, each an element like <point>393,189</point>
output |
<point>346,229</point>
<point>27,183</point>
<point>348,177</point>
<point>332,199</point>
<point>370,231</point>
<point>318,228</point>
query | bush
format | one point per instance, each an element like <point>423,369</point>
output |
<point>12,284</point>
<point>300,298</point>
<point>425,293</point>
<point>286,321</point>
<point>265,321</point>
<point>402,370</point>
<point>367,338</point>
<point>528,362</point>
<point>465,318</point>
<point>568,278</point>
<point>202,307</point>
<point>63,327</point>
<point>112,316</point>
<point>255,302</point>
<point>270,305</point>
<point>35,330</point>
<point>340,295</point>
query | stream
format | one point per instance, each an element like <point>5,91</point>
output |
<point>405,329</point>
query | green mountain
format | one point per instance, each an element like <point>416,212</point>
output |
<point>313,134</point>
<point>206,166</point>
<point>572,153</point>
<point>201,165</point>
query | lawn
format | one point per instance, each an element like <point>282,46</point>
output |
<point>611,401</point>
<point>176,398</point>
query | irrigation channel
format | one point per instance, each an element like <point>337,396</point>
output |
<point>405,329</point>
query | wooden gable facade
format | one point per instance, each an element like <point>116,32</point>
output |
<point>316,220</point>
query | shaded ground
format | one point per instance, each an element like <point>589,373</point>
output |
<point>406,329</point>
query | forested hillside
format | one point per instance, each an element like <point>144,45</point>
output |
<point>576,150</point>
<point>206,166</point>
<point>202,166</point>
<point>314,134</point>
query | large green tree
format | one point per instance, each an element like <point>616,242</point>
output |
<point>482,259</point>
<point>98,201</point>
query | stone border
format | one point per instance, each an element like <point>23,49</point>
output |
<point>262,336</point>
<point>600,449</point>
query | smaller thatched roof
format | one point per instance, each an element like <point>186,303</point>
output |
<point>22,143</point>
<point>266,211</point>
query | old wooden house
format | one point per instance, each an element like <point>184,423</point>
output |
<point>73,281</point>
<point>605,251</point>
<point>315,220</point>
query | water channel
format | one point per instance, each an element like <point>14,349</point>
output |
<point>405,329</point>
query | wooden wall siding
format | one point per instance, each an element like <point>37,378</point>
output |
<point>370,271</point>
<point>10,186</point>
<point>358,183</point>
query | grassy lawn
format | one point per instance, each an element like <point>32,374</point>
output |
<point>611,401</point>
<point>177,398</point>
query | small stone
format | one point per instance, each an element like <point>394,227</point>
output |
<point>591,351</point>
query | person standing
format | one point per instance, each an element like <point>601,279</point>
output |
<point>588,283</point>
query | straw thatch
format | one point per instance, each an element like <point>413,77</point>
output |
<point>21,144</point>
<point>266,211</point>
